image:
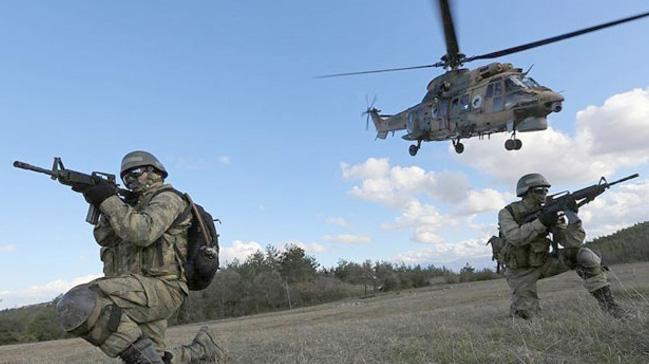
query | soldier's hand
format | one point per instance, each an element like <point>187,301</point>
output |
<point>549,218</point>
<point>96,194</point>
<point>79,187</point>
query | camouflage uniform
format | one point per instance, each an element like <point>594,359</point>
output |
<point>528,257</point>
<point>142,266</point>
<point>125,313</point>
<point>144,283</point>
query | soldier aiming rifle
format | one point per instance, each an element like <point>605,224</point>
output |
<point>523,245</point>
<point>146,239</point>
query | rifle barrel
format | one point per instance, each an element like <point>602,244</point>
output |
<point>635,175</point>
<point>23,165</point>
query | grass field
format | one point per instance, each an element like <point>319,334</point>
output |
<point>462,323</point>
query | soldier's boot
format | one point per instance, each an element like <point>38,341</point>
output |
<point>141,351</point>
<point>607,303</point>
<point>524,314</point>
<point>203,349</point>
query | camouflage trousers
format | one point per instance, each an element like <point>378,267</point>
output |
<point>522,281</point>
<point>145,304</point>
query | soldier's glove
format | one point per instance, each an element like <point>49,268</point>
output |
<point>548,218</point>
<point>96,194</point>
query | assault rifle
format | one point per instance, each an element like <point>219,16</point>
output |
<point>565,201</point>
<point>72,178</point>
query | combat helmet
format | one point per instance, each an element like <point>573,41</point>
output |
<point>140,158</point>
<point>530,180</point>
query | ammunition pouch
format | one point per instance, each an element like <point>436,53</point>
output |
<point>538,252</point>
<point>533,255</point>
<point>518,256</point>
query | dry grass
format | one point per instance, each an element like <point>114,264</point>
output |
<point>463,323</point>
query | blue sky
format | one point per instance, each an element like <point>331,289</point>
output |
<point>223,93</point>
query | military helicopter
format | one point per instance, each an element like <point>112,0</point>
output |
<point>463,103</point>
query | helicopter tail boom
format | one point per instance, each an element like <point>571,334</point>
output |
<point>379,123</point>
<point>385,123</point>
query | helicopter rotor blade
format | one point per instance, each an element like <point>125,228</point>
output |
<point>438,64</point>
<point>452,48</point>
<point>554,39</point>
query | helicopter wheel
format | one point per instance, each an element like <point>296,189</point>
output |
<point>459,147</point>
<point>518,144</point>
<point>413,149</point>
<point>513,144</point>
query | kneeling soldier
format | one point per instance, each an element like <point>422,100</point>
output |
<point>142,242</point>
<point>527,250</point>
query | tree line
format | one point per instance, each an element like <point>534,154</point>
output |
<point>272,280</point>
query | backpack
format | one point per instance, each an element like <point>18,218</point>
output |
<point>498,251</point>
<point>202,259</point>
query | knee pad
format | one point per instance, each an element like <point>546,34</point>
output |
<point>78,309</point>
<point>589,264</point>
<point>587,258</point>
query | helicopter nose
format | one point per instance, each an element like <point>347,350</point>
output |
<point>553,101</point>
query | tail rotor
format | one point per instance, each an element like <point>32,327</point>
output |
<point>370,108</point>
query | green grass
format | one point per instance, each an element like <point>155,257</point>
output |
<point>462,323</point>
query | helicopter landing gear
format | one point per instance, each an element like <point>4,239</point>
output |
<point>513,143</point>
<point>459,147</point>
<point>413,149</point>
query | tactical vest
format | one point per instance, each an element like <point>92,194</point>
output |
<point>160,259</point>
<point>530,255</point>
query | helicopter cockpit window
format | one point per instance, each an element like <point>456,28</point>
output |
<point>514,83</point>
<point>529,81</point>
<point>498,89</point>
<point>494,88</point>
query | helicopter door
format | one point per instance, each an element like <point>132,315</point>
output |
<point>443,113</point>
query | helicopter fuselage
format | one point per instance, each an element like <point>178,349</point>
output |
<point>464,103</point>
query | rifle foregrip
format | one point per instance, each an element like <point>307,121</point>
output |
<point>92,217</point>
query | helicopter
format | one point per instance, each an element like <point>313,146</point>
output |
<point>464,103</point>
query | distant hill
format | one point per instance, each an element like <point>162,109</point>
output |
<point>624,246</point>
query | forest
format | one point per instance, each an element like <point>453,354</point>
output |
<point>273,280</point>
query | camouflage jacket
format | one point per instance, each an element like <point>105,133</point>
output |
<point>145,238</point>
<point>528,243</point>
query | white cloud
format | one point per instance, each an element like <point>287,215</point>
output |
<point>607,137</point>
<point>348,238</point>
<point>238,249</point>
<point>41,293</point>
<point>617,127</point>
<point>311,248</point>
<point>224,159</point>
<point>337,221</point>
<point>404,188</point>
<point>417,214</point>
<point>372,168</point>
<point>446,252</point>
<point>484,200</point>
<point>427,235</point>
<point>7,248</point>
